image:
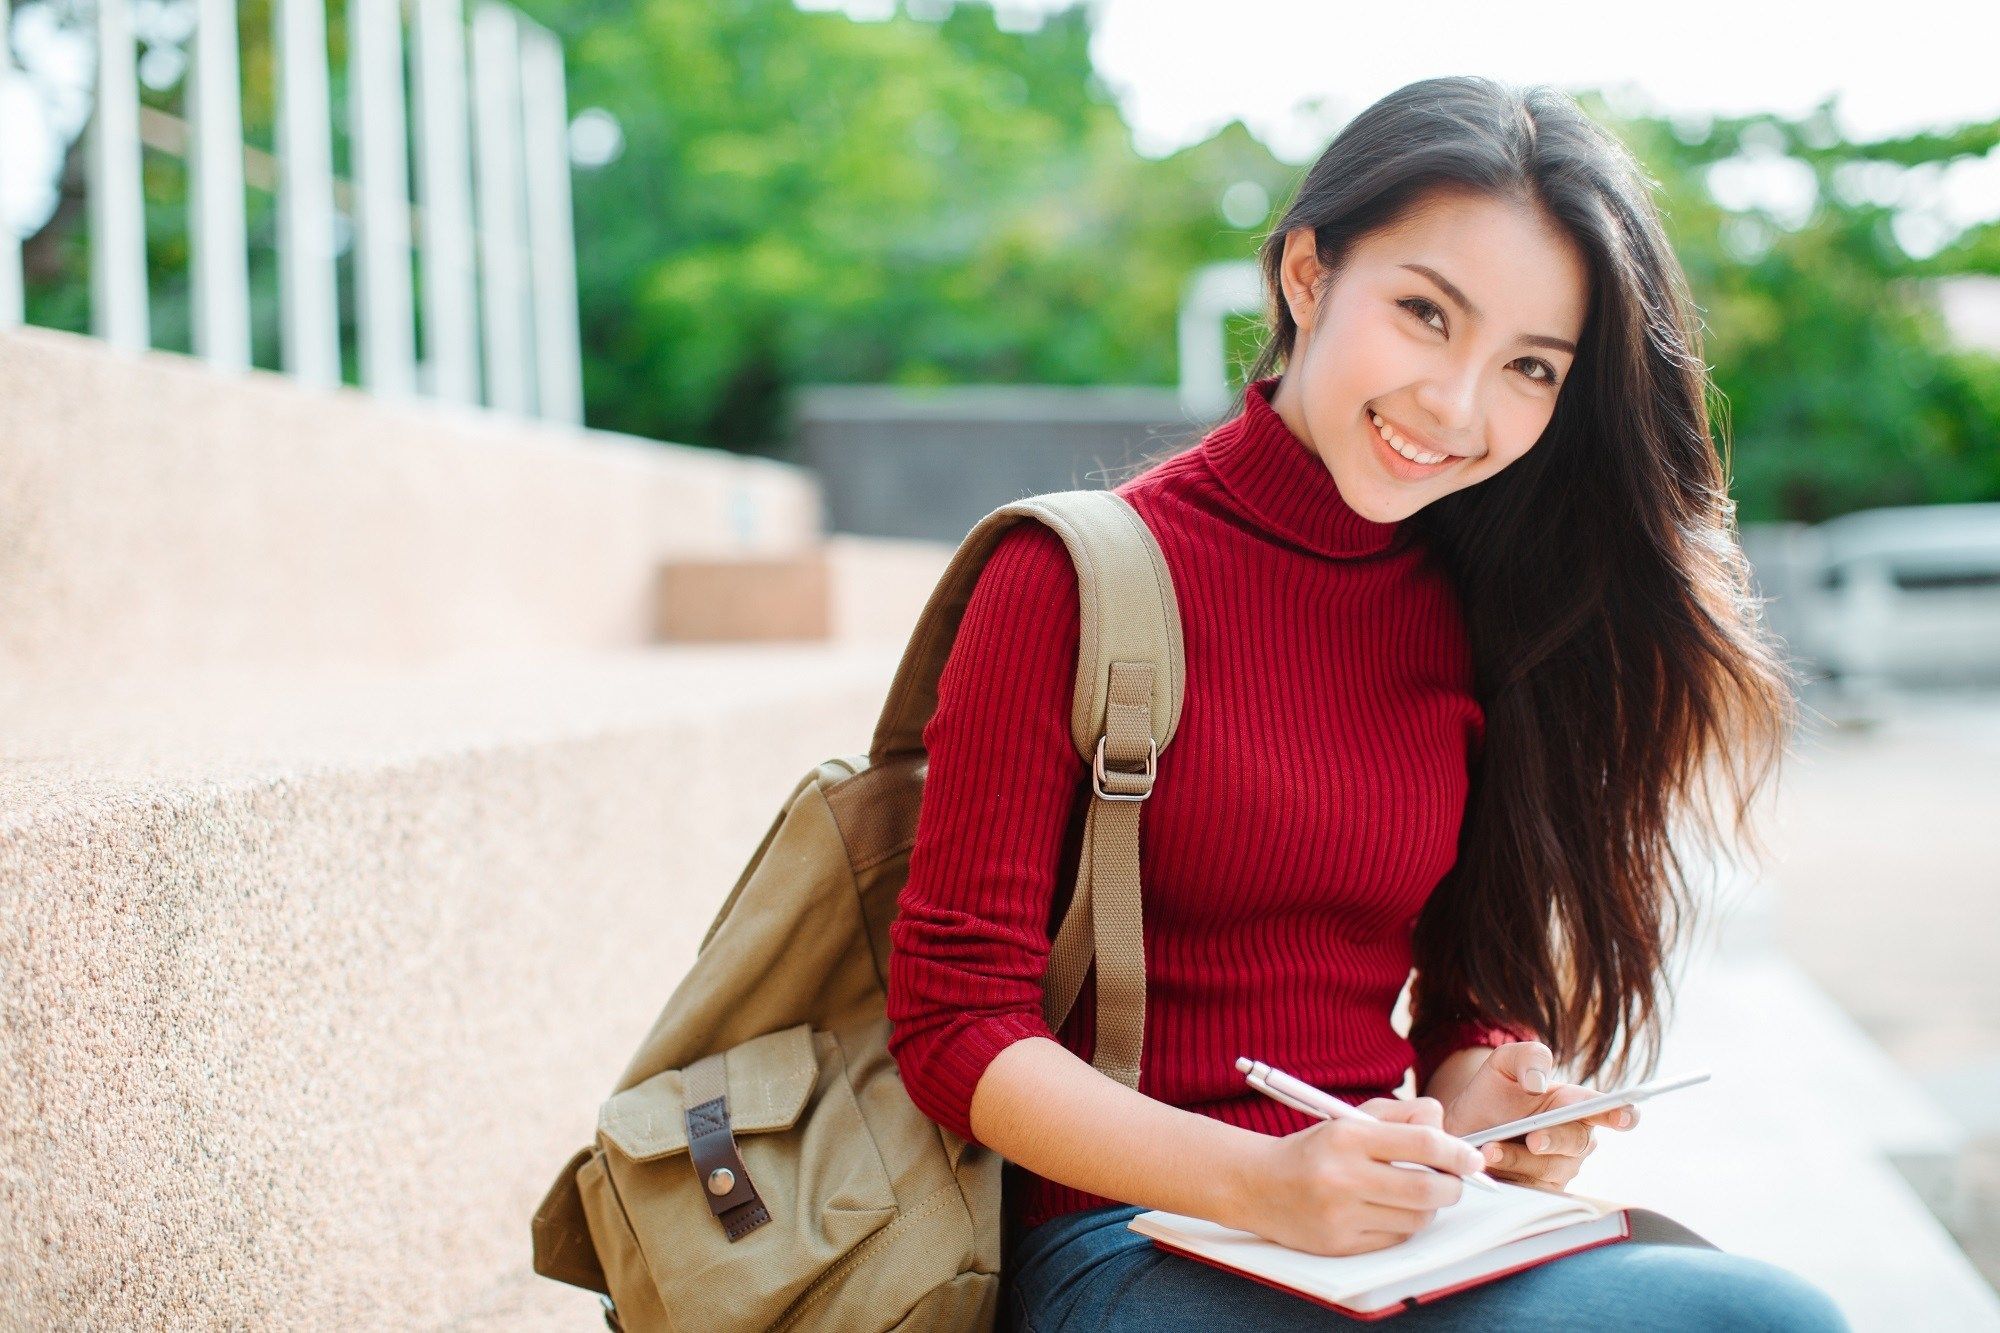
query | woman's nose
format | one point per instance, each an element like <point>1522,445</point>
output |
<point>1450,413</point>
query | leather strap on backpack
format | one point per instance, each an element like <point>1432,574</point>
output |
<point>712,1149</point>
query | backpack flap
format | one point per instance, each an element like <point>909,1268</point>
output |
<point>721,1193</point>
<point>768,1080</point>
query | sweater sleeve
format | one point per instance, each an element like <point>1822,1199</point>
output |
<point>970,940</point>
<point>1434,1044</point>
<point>1440,1026</point>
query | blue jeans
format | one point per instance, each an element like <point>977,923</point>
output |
<point>1089,1271</point>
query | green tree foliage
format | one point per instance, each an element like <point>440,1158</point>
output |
<point>1841,389</point>
<point>805,198</point>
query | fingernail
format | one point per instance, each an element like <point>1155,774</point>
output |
<point>1535,1081</point>
<point>1490,1152</point>
<point>1625,1119</point>
<point>1539,1142</point>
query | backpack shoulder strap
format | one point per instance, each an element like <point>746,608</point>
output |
<point>1128,614</point>
<point>1130,678</point>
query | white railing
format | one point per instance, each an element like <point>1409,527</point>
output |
<point>10,243</point>
<point>498,262</point>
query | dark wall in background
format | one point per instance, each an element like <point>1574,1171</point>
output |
<point>930,463</point>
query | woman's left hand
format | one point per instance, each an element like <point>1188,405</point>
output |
<point>1518,1080</point>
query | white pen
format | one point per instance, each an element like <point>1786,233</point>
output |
<point>1302,1096</point>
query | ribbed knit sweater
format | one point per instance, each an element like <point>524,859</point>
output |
<point>1309,803</point>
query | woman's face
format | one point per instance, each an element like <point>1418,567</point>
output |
<point>1456,329</point>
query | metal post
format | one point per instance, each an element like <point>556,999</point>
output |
<point>118,308</point>
<point>219,252</point>
<point>1211,295</point>
<point>382,180</point>
<point>444,188</point>
<point>12,296</point>
<point>311,310</point>
<point>551,233</point>
<point>496,90</point>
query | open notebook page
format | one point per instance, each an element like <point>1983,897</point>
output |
<point>1478,1221</point>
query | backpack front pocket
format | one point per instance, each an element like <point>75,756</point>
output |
<point>808,1155</point>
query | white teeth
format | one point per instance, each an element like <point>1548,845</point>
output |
<point>1395,442</point>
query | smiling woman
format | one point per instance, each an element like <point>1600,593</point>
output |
<point>1467,631</point>
<point>1404,377</point>
<point>1480,273</point>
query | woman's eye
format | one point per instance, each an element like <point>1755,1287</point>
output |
<point>1417,306</point>
<point>1424,309</point>
<point>1548,375</point>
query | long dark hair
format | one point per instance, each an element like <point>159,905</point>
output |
<point>1633,698</point>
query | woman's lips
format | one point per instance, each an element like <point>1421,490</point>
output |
<point>1399,466</point>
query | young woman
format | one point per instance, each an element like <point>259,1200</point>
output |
<point>1466,633</point>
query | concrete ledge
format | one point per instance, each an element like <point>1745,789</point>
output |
<point>852,588</point>
<point>879,584</point>
<point>156,513</point>
<point>752,598</point>
<point>307,991</point>
<point>308,985</point>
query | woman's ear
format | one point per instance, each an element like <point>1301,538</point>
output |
<point>1298,273</point>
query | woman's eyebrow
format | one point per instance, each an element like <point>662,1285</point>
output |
<point>1465,304</point>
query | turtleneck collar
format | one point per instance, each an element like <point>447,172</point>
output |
<point>1278,477</point>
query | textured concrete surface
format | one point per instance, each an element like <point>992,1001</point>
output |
<point>156,514</point>
<point>308,992</point>
<point>313,984</point>
<point>351,832</point>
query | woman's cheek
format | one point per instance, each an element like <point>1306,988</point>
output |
<point>1518,437</point>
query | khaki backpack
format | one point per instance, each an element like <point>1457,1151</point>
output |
<point>759,1165</point>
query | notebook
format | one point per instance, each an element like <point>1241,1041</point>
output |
<point>1482,1237</point>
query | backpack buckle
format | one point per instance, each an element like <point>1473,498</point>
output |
<point>1098,774</point>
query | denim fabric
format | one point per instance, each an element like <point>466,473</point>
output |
<point>1089,1271</point>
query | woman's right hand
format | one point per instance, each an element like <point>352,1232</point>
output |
<point>1330,1188</point>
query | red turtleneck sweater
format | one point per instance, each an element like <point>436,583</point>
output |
<point>1311,800</point>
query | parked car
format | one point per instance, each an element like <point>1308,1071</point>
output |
<point>1902,596</point>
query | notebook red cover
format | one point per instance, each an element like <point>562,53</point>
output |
<point>1633,1223</point>
<point>1410,1302</point>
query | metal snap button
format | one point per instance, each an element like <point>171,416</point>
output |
<point>721,1180</point>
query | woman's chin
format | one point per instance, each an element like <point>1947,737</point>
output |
<point>1379,500</point>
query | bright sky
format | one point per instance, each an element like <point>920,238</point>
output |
<point>1185,68</point>
<point>1295,70</point>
